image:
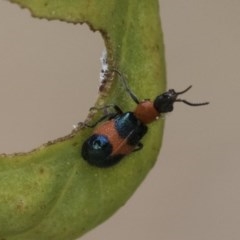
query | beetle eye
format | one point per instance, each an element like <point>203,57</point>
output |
<point>164,102</point>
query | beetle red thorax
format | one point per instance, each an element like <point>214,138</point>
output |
<point>146,112</point>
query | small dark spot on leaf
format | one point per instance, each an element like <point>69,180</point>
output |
<point>102,87</point>
<point>75,144</point>
<point>20,206</point>
<point>43,206</point>
<point>41,170</point>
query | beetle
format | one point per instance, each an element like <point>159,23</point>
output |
<point>120,133</point>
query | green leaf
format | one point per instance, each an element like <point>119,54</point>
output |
<point>51,192</point>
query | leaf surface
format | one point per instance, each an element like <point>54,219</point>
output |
<point>51,192</point>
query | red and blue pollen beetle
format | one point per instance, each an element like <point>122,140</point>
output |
<point>121,132</point>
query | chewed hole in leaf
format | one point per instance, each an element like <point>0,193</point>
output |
<point>49,77</point>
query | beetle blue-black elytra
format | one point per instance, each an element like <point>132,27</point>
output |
<point>119,133</point>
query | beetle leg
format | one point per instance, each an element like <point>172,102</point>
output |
<point>107,114</point>
<point>105,108</point>
<point>138,147</point>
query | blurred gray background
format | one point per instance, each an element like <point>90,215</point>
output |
<point>193,192</point>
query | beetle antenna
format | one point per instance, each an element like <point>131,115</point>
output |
<point>187,102</point>
<point>191,104</point>
<point>178,93</point>
<point>129,91</point>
